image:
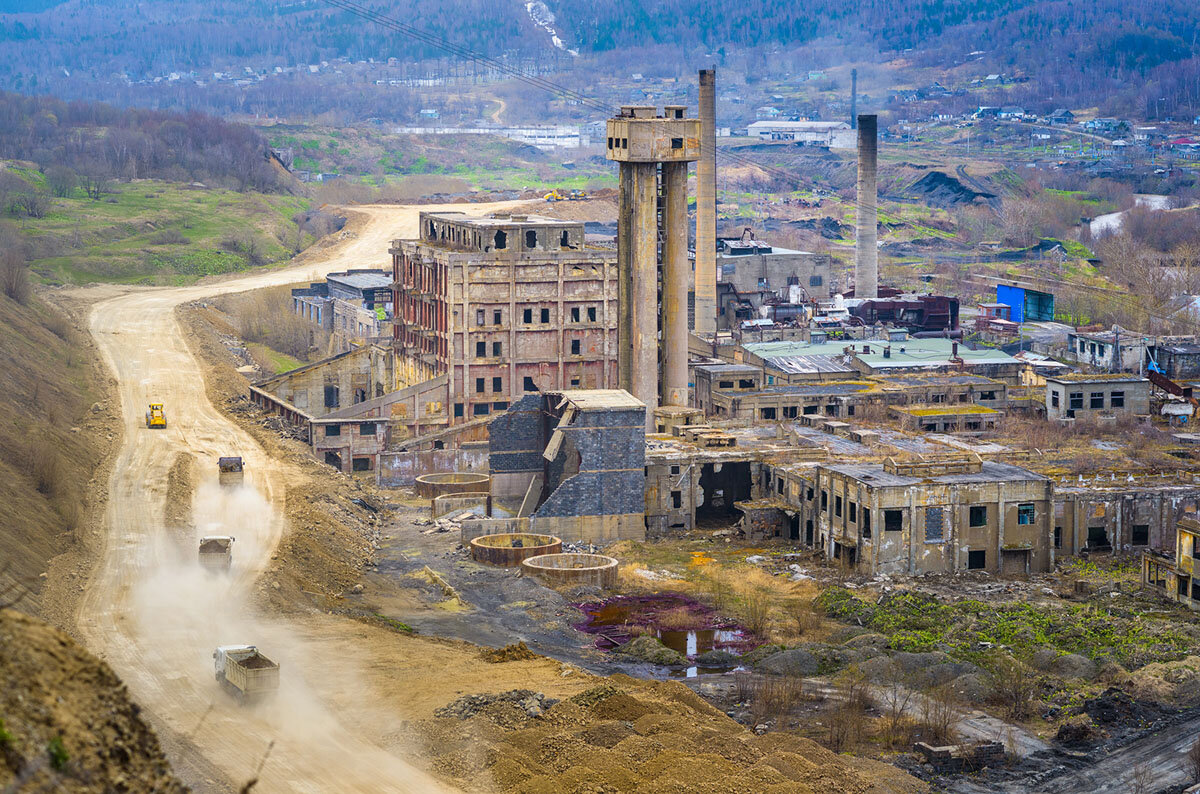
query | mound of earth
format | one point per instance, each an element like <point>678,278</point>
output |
<point>66,720</point>
<point>633,735</point>
<point>938,189</point>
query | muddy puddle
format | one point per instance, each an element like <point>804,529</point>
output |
<point>681,623</point>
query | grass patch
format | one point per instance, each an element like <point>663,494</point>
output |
<point>277,362</point>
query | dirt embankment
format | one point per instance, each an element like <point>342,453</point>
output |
<point>626,734</point>
<point>56,442</point>
<point>331,517</point>
<point>181,484</point>
<point>66,720</point>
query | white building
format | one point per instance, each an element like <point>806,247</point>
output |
<point>816,133</point>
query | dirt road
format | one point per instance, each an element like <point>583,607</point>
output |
<point>155,617</point>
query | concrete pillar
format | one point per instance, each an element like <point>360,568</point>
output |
<point>706,208</point>
<point>643,304</point>
<point>625,279</point>
<point>853,99</point>
<point>675,285</point>
<point>866,253</point>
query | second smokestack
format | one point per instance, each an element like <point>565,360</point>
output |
<point>866,252</point>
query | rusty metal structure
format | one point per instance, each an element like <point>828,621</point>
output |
<point>866,252</point>
<point>652,234</point>
<point>508,549</point>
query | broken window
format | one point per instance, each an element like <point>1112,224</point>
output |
<point>501,240</point>
<point>1097,538</point>
<point>1181,585</point>
<point>893,520</point>
<point>480,409</point>
<point>458,410</point>
<point>1116,399</point>
<point>789,412</point>
<point>815,281</point>
<point>978,515</point>
<point>808,494</point>
<point>976,559</point>
<point>1077,400</point>
<point>531,239</point>
<point>479,317</point>
<point>1058,537</point>
<point>1140,536</point>
<point>1195,590</point>
<point>479,385</point>
<point>497,349</point>
<point>496,317</point>
<point>779,485</point>
<point>575,383</point>
<point>676,499</point>
<point>501,406</point>
<point>824,501</point>
<point>987,395</point>
<point>853,512</point>
<point>591,314</point>
<point>574,314</point>
<point>497,384</point>
<point>809,410</point>
<point>677,143</point>
<point>527,316</point>
<point>333,430</point>
<point>933,525</point>
<point>1054,399</point>
<point>480,349</point>
<point>768,413</point>
<point>575,347</point>
<point>545,315</point>
<point>724,384</point>
<point>565,240</point>
<point>1026,514</point>
<point>1097,400</point>
<point>746,383</point>
<point>837,506</point>
<point>334,459</point>
<point>361,463</point>
<point>332,398</point>
<point>528,384</point>
<point>866,522</point>
<point>366,429</point>
<point>360,396</point>
<point>939,398</point>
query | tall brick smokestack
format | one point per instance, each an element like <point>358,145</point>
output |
<point>853,99</point>
<point>866,254</point>
<point>706,208</point>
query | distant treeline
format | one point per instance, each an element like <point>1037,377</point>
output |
<point>92,143</point>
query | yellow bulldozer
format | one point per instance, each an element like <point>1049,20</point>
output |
<point>155,418</point>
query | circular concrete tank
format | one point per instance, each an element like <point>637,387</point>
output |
<point>573,569</point>
<point>480,503</point>
<point>434,485</point>
<point>510,548</point>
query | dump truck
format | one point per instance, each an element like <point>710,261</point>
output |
<point>229,471</point>
<point>216,552</point>
<point>245,673</point>
<point>155,418</point>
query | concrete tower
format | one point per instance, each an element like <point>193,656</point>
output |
<point>706,208</point>
<point>866,252</point>
<point>645,144</point>
<point>853,99</point>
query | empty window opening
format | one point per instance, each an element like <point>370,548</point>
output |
<point>479,317</point>
<point>528,384</point>
<point>497,384</point>
<point>458,410</point>
<point>977,559</point>
<point>574,314</point>
<point>768,413</point>
<point>366,429</point>
<point>333,430</point>
<point>497,348</point>
<point>677,143</point>
<point>480,349</point>
<point>480,409</point>
<point>893,520</point>
<point>721,486</point>
<point>1058,537</point>
<point>837,506</point>
<point>332,398</point>
<point>497,317</point>
<point>575,347</point>
<point>334,459</point>
<point>361,463</point>
<point>1140,536</point>
<point>527,316</point>
<point>545,315</point>
<point>501,240</point>
<point>978,515</point>
<point>853,512</point>
<point>479,385</point>
<point>676,499</point>
<point>1098,538</point>
<point>591,314</point>
<point>565,240</point>
<point>531,239</point>
<point>1116,399</point>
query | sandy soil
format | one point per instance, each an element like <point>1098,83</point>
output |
<point>155,618</point>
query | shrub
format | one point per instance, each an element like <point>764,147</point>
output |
<point>169,237</point>
<point>58,753</point>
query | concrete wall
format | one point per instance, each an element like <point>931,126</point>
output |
<point>343,380</point>
<point>401,469</point>
<point>1117,517</point>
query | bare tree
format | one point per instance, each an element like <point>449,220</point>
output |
<point>1193,760</point>
<point>61,180</point>
<point>895,700</point>
<point>1014,684</point>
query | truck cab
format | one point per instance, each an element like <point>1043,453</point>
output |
<point>230,470</point>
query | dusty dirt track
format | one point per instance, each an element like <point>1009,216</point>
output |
<point>155,617</point>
